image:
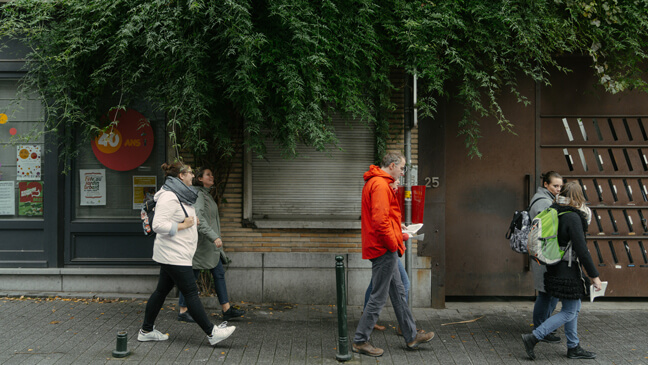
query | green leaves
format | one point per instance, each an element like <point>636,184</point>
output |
<point>225,69</point>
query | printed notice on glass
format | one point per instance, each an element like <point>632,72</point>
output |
<point>7,198</point>
<point>28,162</point>
<point>31,198</point>
<point>143,186</point>
<point>93,187</point>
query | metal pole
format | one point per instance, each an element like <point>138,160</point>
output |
<point>409,115</point>
<point>343,346</point>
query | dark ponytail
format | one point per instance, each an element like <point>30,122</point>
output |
<point>548,176</point>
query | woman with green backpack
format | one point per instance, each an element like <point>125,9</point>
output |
<point>545,304</point>
<point>565,280</point>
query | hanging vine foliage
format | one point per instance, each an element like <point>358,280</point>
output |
<point>228,72</point>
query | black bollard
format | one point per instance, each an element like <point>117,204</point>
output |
<point>122,345</point>
<point>343,347</point>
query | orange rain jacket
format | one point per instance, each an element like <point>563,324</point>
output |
<point>380,216</point>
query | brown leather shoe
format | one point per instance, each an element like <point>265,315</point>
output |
<point>421,337</point>
<point>378,327</point>
<point>367,349</point>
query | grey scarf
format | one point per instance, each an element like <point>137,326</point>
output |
<point>186,194</point>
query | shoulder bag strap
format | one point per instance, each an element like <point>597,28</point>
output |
<point>182,206</point>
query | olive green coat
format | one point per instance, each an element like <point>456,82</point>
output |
<point>207,254</point>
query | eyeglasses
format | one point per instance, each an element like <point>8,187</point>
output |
<point>403,168</point>
<point>189,172</point>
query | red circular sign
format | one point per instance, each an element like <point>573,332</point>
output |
<point>128,144</point>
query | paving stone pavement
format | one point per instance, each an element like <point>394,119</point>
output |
<point>72,330</point>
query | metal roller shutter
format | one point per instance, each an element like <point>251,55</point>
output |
<point>315,185</point>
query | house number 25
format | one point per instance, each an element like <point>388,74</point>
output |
<point>432,182</point>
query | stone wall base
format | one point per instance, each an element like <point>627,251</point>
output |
<point>299,278</point>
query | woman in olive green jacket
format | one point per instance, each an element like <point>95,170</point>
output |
<point>209,254</point>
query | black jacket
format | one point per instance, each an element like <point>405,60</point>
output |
<point>561,280</point>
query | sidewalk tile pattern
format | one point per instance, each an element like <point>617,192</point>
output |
<point>83,331</point>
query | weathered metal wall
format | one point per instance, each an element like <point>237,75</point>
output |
<point>572,126</point>
<point>481,196</point>
<point>600,140</point>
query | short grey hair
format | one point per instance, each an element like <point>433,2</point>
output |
<point>392,157</point>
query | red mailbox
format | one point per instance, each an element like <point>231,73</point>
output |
<point>418,202</point>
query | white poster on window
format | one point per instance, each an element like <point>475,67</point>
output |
<point>28,162</point>
<point>93,187</point>
<point>7,198</point>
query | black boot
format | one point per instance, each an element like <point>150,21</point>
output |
<point>529,343</point>
<point>580,353</point>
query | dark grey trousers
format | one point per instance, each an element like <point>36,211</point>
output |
<point>386,280</point>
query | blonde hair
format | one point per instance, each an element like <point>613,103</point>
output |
<point>574,193</point>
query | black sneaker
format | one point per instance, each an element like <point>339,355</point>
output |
<point>185,317</point>
<point>232,313</point>
<point>529,341</point>
<point>551,338</point>
<point>580,353</point>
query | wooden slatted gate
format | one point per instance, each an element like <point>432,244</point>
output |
<point>607,155</point>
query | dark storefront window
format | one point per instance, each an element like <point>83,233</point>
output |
<point>113,173</point>
<point>21,154</point>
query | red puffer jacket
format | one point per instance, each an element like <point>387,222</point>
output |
<point>381,215</point>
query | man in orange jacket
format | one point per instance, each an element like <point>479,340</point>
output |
<point>382,243</point>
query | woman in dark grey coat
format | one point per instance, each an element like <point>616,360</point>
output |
<point>565,280</point>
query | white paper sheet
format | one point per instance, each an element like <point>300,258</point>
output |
<point>600,293</point>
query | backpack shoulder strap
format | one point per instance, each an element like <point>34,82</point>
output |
<point>534,201</point>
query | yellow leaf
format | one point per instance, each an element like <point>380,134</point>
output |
<point>222,353</point>
<point>30,350</point>
<point>54,322</point>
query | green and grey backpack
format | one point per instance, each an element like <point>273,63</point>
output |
<point>543,243</point>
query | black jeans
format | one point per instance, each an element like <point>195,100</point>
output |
<point>183,277</point>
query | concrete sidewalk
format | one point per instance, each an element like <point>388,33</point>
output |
<point>68,330</point>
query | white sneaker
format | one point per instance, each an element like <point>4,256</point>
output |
<point>220,332</point>
<point>154,335</point>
